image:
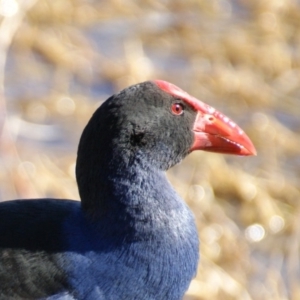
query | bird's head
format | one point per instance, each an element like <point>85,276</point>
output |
<point>158,123</point>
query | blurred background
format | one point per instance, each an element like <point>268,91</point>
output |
<point>59,59</point>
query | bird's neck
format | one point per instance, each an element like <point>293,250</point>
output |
<point>124,189</point>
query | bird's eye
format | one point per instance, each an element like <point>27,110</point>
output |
<point>177,109</point>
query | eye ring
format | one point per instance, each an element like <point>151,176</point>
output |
<point>177,109</point>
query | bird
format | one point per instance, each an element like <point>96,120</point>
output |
<point>130,236</point>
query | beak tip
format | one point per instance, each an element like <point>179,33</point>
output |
<point>249,151</point>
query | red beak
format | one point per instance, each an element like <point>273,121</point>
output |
<point>217,133</point>
<point>212,130</point>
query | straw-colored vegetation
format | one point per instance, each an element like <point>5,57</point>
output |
<point>64,57</point>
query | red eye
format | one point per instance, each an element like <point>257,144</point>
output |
<point>177,109</point>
